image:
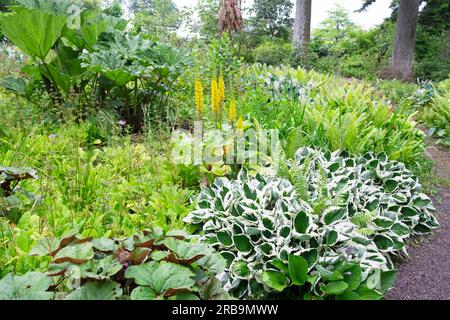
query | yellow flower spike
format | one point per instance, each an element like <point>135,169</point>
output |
<point>215,97</point>
<point>199,97</point>
<point>221,90</point>
<point>232,111</point>
<point>240,124</point>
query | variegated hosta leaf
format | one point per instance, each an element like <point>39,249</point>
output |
<point>266,228</point>
<point>384,199</point>
<point>360,211</point>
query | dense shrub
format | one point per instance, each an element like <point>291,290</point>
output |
<point>436,114</point>
<point>272,53</point>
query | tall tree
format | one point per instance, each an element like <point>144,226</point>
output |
<point>230,17</point>
<point>401,66</point>
<point>272,18</point>
<point>160,18</point>
<point>302,29</point>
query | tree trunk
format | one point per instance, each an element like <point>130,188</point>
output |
<point>445,52</point>
<point>401,67</point>
<point>302,29</point>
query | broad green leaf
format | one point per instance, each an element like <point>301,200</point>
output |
<point>187,252</point>
<point>77,253</point>
<point>161,277</point>
<point>333,215</point>
<point>242,243</point>
<point>368,294</point>
<point>421,201</point>
<point>311,256</point>
<point>143,293</point>
<point>391,185</point>
<point>298,270</point>
<point>104,245</point>
<point>96,291</point>
<point>353,277</point>
<point>240,269</point>
<point>31,286</point>
<point>16,85</point>
<point>383,242</point>
<point>387,280</point>
<point>275,280</point>
<point>301,222</point>
<point>45,247</point>
<point>277,263</point>
<point>32,30</point>
<point>213,290</point>
<point>334,288</point>
<point>214,263</point>
<point>224,238</point>
<point>329,275</point>
<point>331,238</point>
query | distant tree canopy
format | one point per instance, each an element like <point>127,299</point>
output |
<point>435,17</point>
<point>158,17</point>
<point>272,18</point>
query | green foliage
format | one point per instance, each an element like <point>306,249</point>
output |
<point>13,199</point>
<point>223,57</point>
<point>339,46</point>
<point>275,246</point>
<point>147,266</point>
<point>32,286</point>
<point>33,31</point>
<point>272,53</point>
<point>91,177</point>
<point>272,18</point>
<point>312,109</point>
<point>436,115</point>
<point>95,61</point>
<point>161,21</point>
<point>389,196</point>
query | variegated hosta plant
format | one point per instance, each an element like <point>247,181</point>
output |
<point>381,198</point>
<point>273,241</point>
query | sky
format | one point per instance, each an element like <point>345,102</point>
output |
<point>374,15</point>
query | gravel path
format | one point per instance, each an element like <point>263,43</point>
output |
<point>426,275</point>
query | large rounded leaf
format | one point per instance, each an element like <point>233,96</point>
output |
<point>32,286</point>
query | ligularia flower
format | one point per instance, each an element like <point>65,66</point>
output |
<point>215,97</point>
<point>221,89</point>
<point>232,111</point>
<point>199,97</point>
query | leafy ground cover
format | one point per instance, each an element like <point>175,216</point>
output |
<point>90,196</point>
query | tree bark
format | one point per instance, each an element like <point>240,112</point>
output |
<point>401,66</point>
<point>302,29</point>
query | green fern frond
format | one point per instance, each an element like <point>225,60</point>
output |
<point>366,232</point>
<point>362,219</point>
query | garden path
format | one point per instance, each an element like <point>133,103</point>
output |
<point>426,275</point>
